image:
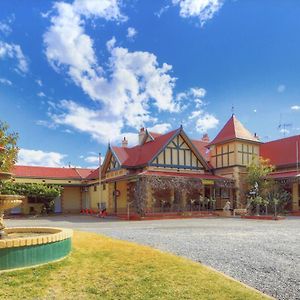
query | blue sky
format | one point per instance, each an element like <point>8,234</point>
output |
<point>76,75</point>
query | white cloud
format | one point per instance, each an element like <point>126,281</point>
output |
<point>125,89</point>
<point>295,107</point>
<point>5,28</point>
<point>5,25</point>
<point>160,128</point>
<point>5,81</point>
<point>131,32</point>
<point>102,128</point>
<point>198,92</point>
<point>41,94</point>
<point>281,88</point>
<point>87,120</point>
<point>204,10</point>
<point>284,131</point>
<point>205,122</point>
<point>202,120</point>
<point>195,114</point>
<point>47,124</point>
<point>14,51</point>
<point>91,159</point>
<point>107,9</point>
<point>40,158</point>
<point>39,82</point>
<point>162,11</point>
<point>194,94</point>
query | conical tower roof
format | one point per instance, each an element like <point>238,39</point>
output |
<point>232,130</point>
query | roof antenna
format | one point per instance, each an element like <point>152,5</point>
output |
<point>283,126</point>
<point>232,109</point>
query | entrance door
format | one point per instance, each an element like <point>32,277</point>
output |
<point>115,198</point>
<point>57,205</point>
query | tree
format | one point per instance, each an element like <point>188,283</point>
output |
<point>263,191</point>
<point>8,140</point>
<point>258,183</point>
<point>278,198</point>
<point>8,157</point>
<point>257,173</point>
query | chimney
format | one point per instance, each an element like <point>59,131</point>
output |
<point>124,142</point>
<point>142,134</point>
<point>205,138</point>
<point>256,136</point>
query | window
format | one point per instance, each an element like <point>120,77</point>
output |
<point>223,155</point>
<point>104,186</point>
<point>95,188</point>
<point>246,154</point>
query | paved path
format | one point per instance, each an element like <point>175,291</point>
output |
<point>262,254</point>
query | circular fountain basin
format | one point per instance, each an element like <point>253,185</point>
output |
<point>32,246</point>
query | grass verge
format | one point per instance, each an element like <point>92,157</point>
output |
<point>104,268</point>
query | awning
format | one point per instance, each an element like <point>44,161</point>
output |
<point>285,174</point>
<point>202,176</point>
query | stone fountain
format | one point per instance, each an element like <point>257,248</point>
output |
<point>22,247</point>
<point>7,201</point>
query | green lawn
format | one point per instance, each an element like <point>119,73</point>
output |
<point>104,268</point>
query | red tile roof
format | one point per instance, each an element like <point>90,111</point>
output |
<point>282,152</point>
<point>233,129</point>
<point>49,172</point>
<point>93,175</point>
<point>201,147</point>
<point>142,154</point>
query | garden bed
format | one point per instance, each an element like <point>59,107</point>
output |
<point>264,218</point>
<point>170,215</point>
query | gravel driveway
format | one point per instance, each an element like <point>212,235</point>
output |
<point>262,254</point>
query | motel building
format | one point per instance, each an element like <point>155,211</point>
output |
<point>169,173</point>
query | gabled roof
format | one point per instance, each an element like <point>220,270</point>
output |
<point>50,172</point>
<point>141,155</point>
<point>282,152</point>
<point>233,129</point>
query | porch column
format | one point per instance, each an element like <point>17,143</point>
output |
<point>172,198</point>
<point>149,202</point>
<point>231,198</point>
<point>110,208</point>
<point>295,196</point>
<point>183,200</point>
<point>203,196</point>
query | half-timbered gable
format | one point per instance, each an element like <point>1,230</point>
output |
<point>178,154</point>
<point>111,162</point>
